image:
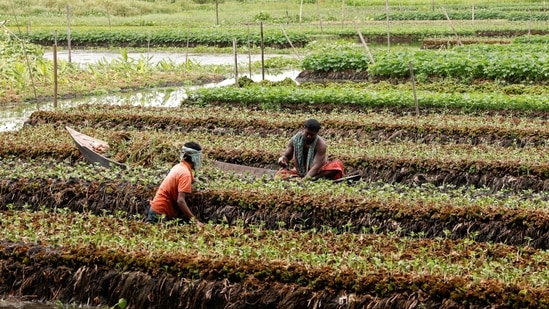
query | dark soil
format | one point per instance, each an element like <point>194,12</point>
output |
<point>62,274</point>
<point>514,227</point>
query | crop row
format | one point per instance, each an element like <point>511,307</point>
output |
<point>478,14</point>
<point>327,98</point>
<point>71,246</point>
<point>509,63</point>
<point>429,128</point>
<point>407,162</point>
<point>263,149</point>
<point>363,207</point>
<point>161,37</point>
<point>299,35</point>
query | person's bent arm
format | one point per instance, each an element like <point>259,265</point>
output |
<point>287,155</point>
<point>182,204</point>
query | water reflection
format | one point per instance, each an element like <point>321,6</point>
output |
<point>13,118</point>
<point>86,56</point>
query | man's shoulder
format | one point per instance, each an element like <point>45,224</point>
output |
<point>321,144</point>
<point>181,169</point>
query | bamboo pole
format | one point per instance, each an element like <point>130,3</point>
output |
<point>366,46</point>
<point>387,18</point>
<point>187,52</point>
<point>414,86</point>
<point>319,15</point>
<point>55,84</point>
<point>262,54</point>
<point>249,54</point>
<point>235,63</point>
<point>473,13</point>
<point>109,14</point>
<point>148,42</point>
<point>3,24</point>
<point>287,17</point>
<point>69,32</point>
<point>452,26</point>
<point>300,13</point>
<point>530,26</point>
<point>217,12</point>
<point>290,41</point>
<point>342,13</point>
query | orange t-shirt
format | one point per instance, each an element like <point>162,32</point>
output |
<point>179,179</point>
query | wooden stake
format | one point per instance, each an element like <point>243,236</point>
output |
<point>366,46</point>
<point>452,25</point>
<point>530,26</point>
<point>319,15</point>
<point>235,63</point>
<point>55,85</point>
<point>300,13</point>
<point>287,18</point>
<point>473,13</point>
<point>187,52</point>
<point>109,15</point>
<point>290,41</point>
<point>249,54</point>
<point>388,32</point>
<point>69,32</point>
<point>217,12</point>
<point>3,25</point>
<point>414,86</point>
<point>342,13</point>
<point>262,54</point>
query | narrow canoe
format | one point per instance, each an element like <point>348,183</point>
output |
<point>93,149</point>
<point>258,172</point>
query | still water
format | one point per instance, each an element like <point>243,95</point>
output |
<point>86,56</point>
<point>12,118</point>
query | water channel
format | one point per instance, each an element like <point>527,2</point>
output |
<point>12,118</point>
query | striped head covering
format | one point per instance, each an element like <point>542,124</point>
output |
<point>194,154</point>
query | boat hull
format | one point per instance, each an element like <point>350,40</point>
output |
<point>86,145</point>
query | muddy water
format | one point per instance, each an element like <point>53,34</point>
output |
<point>12,118</point>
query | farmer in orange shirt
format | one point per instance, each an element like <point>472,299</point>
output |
<point>307,150</point>
<point>169,200</point>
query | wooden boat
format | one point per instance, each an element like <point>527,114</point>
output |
<point>258,172</point>
<point>243,169</point>
<point>93,149</point>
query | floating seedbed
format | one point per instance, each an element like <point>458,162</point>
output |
<point>98,260</point>
<point>409,162</point>
<point>451,210</point>
<point>504,130</point>
<point>457,213</point>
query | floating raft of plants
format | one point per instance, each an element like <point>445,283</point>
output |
<point>98,259</point>
<point>452,211</point>
<point>496,152</point>
<point>506,217</point>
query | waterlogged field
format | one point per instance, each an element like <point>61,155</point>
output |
<point>451,145</point>
<point>451,210</point>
